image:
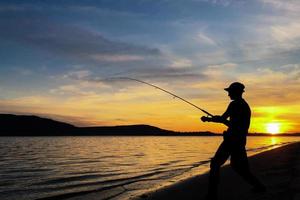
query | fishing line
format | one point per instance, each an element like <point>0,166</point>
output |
<point>166,91</point>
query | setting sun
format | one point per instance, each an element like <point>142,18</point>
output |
<point>273,128</point>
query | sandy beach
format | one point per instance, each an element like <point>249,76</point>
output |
<point>279,169</point>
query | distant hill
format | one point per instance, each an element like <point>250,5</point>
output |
<point>124,130</point>
<point>136,130</point>
<point>19,125</point>
<point>24,125</point>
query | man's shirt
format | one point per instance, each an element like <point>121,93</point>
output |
<point>239,114</point>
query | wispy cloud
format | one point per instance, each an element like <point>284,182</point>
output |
<point>22,71</point>
<point>286,33</point>
<point>222,71</point>
<point>116,58</point>
<point>220,2</point>
<point>288,5</point>
<point>72,41</point>
<point>204,39</point>
<point>78,74</point>
<point>181,63</point>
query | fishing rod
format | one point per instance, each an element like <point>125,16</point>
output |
<point>166,91</point>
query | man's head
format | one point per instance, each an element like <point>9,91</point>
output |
<point>235,90</point>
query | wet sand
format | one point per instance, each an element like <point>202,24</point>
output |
<point>278,169</point>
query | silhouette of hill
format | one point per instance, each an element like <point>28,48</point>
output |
<point>19,125</point>
<point>125,130</point>
<point>23,125</point>
<point>136,130</point>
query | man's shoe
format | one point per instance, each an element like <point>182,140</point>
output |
<point>259,189</point>
<point>211,197</point>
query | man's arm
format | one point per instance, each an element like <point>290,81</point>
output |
<point>216,119</point>
<point>219,119</point>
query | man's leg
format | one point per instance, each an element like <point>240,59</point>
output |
<point>217,161</point>
<point>240,164</point>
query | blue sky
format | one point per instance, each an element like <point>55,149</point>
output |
<point>56,55</point>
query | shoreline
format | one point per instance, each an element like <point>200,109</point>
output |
<point>278,169</point>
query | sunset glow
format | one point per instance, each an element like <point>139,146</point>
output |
<point>273,128</point>
<point>59,62</point>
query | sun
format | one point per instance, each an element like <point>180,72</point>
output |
<point>273,128</point>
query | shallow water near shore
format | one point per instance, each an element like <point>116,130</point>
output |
<point>115,167</point>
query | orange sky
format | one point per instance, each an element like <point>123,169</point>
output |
<point>141,104</point>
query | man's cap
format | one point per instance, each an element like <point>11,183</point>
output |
<point>235,87</point>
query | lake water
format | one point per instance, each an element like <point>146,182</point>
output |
<point>115,167</point>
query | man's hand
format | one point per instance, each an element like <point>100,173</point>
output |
<point>206,119</point>
<point>215,118</point>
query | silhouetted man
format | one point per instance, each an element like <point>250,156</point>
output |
<point>237,118</point>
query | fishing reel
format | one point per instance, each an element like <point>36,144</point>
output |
<point>206,119</point>
<point>213,118</point>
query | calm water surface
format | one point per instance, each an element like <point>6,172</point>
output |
<point>115,167</point>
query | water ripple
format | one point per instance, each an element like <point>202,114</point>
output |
<point>51,167</point>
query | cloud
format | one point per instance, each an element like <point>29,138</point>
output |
<point>220,2</point>
<point>268,86</point>
<point>181,63</point>
<point>80,88</point>
<point>286,33</point>
<point>71,41</point>
<point>71,90</point>
<point>73,8</point>
<point>290,68</point>
<point>19,8</point>
<point>77,83</point>
<point>204,39</point>
<point>22,71</point>
<point>171,78</point>
<point>287,5</point>
<point>116,58</point>
<point>25,104</point>
<point>222,71</point>
<point>80,74</point>
<point>277,32</point>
